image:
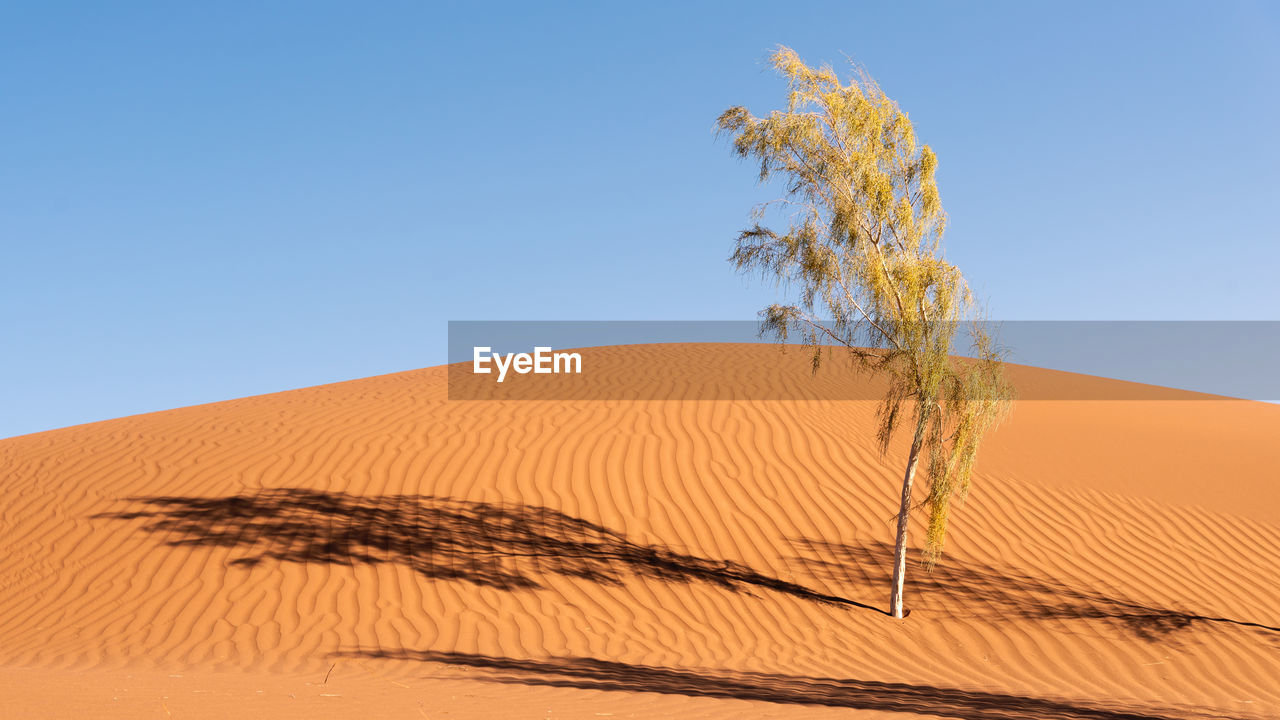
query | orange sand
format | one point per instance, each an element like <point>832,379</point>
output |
<point>369,549</point>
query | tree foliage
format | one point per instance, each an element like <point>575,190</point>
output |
<point>863,246</point>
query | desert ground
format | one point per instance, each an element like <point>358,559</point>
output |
<point>373,549</point>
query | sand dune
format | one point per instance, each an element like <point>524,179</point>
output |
<point>373,549</point>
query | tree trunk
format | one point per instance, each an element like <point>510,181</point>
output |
<point>904,514</point>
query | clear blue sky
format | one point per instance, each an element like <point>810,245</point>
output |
<point>224,199</point>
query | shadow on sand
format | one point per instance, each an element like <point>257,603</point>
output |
<point>968,589</point>
<point>592,674</point>
<point>501,546</point>
<point>515,547</point>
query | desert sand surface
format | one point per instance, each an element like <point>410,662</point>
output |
<point>372,549</point>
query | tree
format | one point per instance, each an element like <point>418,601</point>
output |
<point>863,243</point>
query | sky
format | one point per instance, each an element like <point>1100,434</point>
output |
<point>202,201</point>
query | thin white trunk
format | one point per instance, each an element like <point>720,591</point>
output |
<point>904,515</point>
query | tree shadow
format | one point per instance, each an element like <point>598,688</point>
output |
<point>515,547</point>
<point>504,546</point>
<point>970,589</point>
<point>593,674</point>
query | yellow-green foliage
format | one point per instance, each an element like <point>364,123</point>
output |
<point>863,244</point>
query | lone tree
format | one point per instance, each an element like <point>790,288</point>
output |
<point>863,245</point>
